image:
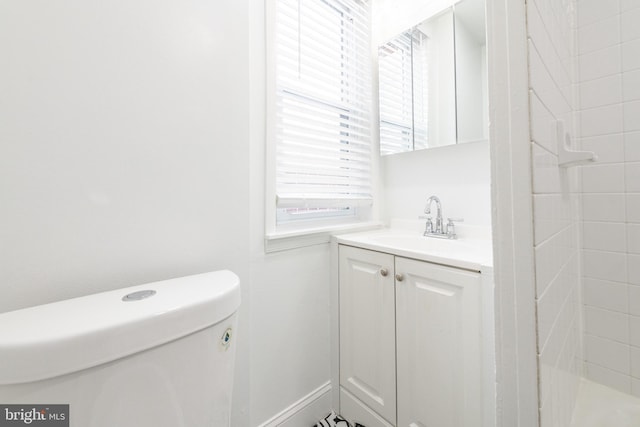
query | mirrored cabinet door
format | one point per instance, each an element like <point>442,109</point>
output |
<point>433,81</point>
<point>472,107</point>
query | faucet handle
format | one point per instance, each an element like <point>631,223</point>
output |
<point>428,227</point>
<point>451,228</point>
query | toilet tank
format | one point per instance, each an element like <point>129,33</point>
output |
<point>153,355</point>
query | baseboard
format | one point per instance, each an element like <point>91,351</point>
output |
<point>304,412</point>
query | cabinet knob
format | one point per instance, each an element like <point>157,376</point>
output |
<point>399,277</point>
<point>384,272</point>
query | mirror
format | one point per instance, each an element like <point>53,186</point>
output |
<point>433,81</point>
<point>472,106</point>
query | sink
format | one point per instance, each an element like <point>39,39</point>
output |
<point>416,242</point>
<point>471,252</point>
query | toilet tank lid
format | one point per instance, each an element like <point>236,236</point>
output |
<point>54,339</point>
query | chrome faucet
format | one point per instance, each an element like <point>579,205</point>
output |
<point>427,210</point>
<point>439,231</point>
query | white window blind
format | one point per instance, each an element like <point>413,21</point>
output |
<point>403,91</point>
<point>420,59</point>
<point>396,97</point>
<point>322,77</point>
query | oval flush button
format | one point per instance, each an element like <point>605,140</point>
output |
<point>140,295</point>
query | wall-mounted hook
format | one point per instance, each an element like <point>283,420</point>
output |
<point>568,157</point>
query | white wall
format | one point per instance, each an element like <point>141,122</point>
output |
<point>129,152</point>
<point>551,27</point>
<point>290,290</point>
<point>123,149</point>
<point>459,175</point>
<point>609,89</point>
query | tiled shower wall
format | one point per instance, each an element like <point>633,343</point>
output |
<point>552,77</point>
<point>609,103</point>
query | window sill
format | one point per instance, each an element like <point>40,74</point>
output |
<point>287,240</point>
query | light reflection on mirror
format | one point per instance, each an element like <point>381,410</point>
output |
<point>471,72</point>
<point>432,81</point>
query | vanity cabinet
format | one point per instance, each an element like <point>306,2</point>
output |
<point>410,341</point>
<point>367,329</point>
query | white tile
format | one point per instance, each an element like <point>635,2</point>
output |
<point>547,310</point>
<point>631,84</point>
<point>599,35</point>
<point>546,173</point>
<point>609,354</point>
<point>550,49</point>
<point>611,266</point>
<point>547,410</point>
<point>542,217</point>
<point>590,11</point>
<point>606,295</point>
<point>634,331</point>
<point>545,220</point>
<point>599,64</point>
<point>546,373</point>
<point>635,362</point>
<point>632,177</point>
<point>543,125</point>
<point>608,148</point>
<point>633,238</point>
<point>604,236</point>
<point>634,300</point>
<point>633,262</point>
<point>606,324</point>
<point>632,146</point>
<point>601,92</point>
<point>629,24</point>
<point>607,178</point>
<point>601,120</point>
<point>544,84</point>
<point>548,264</point>
<point>632,116</point>
<point>633,208</point>
<point>635,387</point>
<point>608,377</point>
<point>544,268</point>
<point>603,207</point>
<point>631,55</point>
<point>629,4</point>
<point>552,345</point>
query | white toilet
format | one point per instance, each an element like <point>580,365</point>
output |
<point>154,355</point>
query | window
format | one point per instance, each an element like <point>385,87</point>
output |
<point>319,123</point>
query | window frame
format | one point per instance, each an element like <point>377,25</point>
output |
<point>318,230</point>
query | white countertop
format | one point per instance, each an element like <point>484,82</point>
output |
<point>472,249</point>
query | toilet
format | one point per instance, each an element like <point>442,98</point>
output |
<point>153,355</point>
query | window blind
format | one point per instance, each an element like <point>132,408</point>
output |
<point>420,58</point>
<point>403,86</point>
<point>323,153</point>
<point>396,97</point>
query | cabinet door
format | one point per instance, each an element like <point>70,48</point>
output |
<point>367,329</point>
<point>438,333</point>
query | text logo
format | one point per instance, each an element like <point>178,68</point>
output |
<point>34,415</point>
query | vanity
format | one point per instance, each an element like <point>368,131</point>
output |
<point>415,328</point>
<point>415,300</point>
